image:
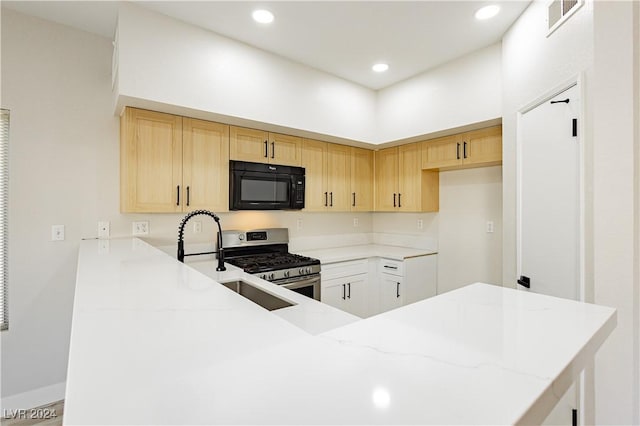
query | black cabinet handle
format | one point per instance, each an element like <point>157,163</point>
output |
<point>457,151</point>
<point>394,199</point>
<point>178,195</point>
<point>326,202</point>
<point>273,149</point>
<point>349,294</point>
<point>354,199</point>
<point>344,291</point>
<point>399,200</point>
<point>397,290</point>
<point>266,149</point>
<point>188,196</point>
<point>331,198</point>
<point>465,150</point>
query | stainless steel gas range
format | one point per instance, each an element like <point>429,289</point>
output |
<point>265,254</point>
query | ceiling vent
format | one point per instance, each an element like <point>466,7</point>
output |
<point>559,11</point>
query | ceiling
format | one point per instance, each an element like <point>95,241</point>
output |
<point>343,38</point>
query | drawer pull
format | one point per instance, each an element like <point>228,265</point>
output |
<point>349,293</point>
<point>397,290</point>
<point>178,195</point>
<point>390,267</point>
<point>344,291</point>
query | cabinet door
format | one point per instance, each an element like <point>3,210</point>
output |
<point>205,162</point>
<point>420,278</point>
<point>285,149</point>
<point>386,181</point>
<point>391,291</point>
<point>150,162</point>
<point>361,180</point>
<point>314,160</point>
<point>339,177</point>
<point>356,295</point>
<point>442,152</point>
<point>248,145</point>
<point>484,146</point>
<point>409,178</point>
<point>334,293</point>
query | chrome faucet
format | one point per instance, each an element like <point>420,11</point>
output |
<point>219,252</point>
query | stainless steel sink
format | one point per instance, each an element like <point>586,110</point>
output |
<point>257,296</point>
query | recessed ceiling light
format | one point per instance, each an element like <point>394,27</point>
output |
<point>381,67</point>
<point>487,12</point>
<point>262,16</point>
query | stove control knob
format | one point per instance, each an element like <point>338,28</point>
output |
<point>271,276</point>
<point>241,237</point>
<point>263,276</point>
<point>308,270</point>
<point>301,271</point>
<point>287,273</point>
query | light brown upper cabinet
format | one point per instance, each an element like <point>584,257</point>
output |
<point>401,184</point>
<point>258,146</point>
<point>205,165</point>
<point>472,149</point>
<point>172,164</point>
<point>327,176</point>
<point>361,180</point>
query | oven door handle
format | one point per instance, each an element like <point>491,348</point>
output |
<point>295,282</point>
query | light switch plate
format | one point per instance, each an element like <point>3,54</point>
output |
<point>57,232</point>
<point>103,229</point>
<point>489,226</point>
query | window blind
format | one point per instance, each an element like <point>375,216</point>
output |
<point>4,217</point>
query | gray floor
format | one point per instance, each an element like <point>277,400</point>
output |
<point>46,415</point>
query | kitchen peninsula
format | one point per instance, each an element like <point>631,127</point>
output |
<point>155,341</point>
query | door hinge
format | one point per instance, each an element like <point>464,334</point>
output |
<point>524,281</point>
<point>574,125</point>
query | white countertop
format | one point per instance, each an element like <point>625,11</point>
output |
<point>364,251</point>
<point>154,341</point>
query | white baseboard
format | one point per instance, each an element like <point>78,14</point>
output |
<point>34,398</point>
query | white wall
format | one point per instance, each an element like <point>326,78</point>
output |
<point>463,91</point>
<point>228,80</point>
<point>57,86</point>
<point>466,252</point>
<point>170,62</point>
<point>596,41</point>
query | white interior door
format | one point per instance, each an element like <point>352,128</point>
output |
<point>549,214</point>
<point>549,197</point>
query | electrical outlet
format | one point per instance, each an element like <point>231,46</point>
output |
<point>140,228</point>
<point>57,232</point>
<point>197,227</point>
<point>489,227</point>
<point>420,224</point>
<point>103,229</point>
<point>355,222</point>
<point>299,224</point>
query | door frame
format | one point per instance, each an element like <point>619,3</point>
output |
<point>578,81</point>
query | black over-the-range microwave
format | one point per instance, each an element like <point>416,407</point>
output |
<point>258,186</point>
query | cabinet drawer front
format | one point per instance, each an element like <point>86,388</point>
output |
<point>393,267</point>
<point>344,269</point>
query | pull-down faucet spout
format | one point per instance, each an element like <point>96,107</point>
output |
<point>219,252</point>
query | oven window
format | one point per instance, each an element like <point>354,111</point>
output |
<point>264,190</point>
<point>306,290</point>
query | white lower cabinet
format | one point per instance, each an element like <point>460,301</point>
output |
<point>391,292</point>
<point>345,286</point>
<point>368,287</point>
<point>348,294</point>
